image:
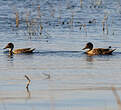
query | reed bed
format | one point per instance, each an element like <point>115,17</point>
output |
<point>37,25</point>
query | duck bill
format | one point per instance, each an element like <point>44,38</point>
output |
<point>84,48</point>
<point>5,47</point>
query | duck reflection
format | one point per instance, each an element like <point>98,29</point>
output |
<point>8,56</point>
<point>89,58</point>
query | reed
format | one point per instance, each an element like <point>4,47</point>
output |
<point>17,19</point>
<point>41,28</point>
<point>40,21</point>
<point>96,3</point>
<point>72,19</point>
<point>59,17</point>
<point>105,24</point>
<point>84,27</point>
<point>39,13</point>
<point>106,28</point>
<point>80,3</point>
<point>27,19</point>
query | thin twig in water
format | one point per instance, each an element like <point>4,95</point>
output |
<point>28,81</point>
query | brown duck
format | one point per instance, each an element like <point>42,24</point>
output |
<point>97,51</point>
<point>10,46</point>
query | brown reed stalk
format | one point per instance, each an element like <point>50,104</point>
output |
<point>40,25</point>
<point>103,24</point>
<point>27,19</point>
<point>106,24</point>
<point>107,28</point>
<point>72,19</point>
<point>17,19</point>
<point>59,17</point>
<point>80,3</point>
<point>85,29</point>
<point>39,13</point>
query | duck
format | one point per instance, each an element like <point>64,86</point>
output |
<point>97,51</point>
<point>10,46</point>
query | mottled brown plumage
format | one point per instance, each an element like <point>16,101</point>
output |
<point>97,51</point>
<point>10,46</point>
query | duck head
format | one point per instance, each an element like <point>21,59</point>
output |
<point>89,45</point>
<point>9,46</point>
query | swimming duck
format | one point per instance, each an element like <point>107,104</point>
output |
<point>10,46</point>
<point>97,51</point>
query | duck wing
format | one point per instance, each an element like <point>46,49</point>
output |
<point>24,50</point>
<point>103,51</point>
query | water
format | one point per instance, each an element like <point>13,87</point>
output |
<point>62,76</point>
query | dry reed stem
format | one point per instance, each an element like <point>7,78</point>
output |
<point>103,23</point>
<point>38,10</point>
<point>17,19</point>
<point>27,85</point>
<point>85,29</point>
<point>27,19</point>
<point>59,19</point>
<point>72,19</point>
<point>107,28</point>
<point>39,15</point>
<point>117,97</point>
<point>41,29</point>
<point>80,3</point>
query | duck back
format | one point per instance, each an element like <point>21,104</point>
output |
<point>24,50</point>
<point>100,51</point>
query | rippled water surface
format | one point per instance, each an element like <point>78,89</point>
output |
<point>62,76</point>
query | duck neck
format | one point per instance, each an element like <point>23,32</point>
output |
<point>11,51</point>
<point>91,48</point>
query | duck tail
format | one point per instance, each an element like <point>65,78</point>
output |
<point>110,51</point>
<point>32,49</point>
